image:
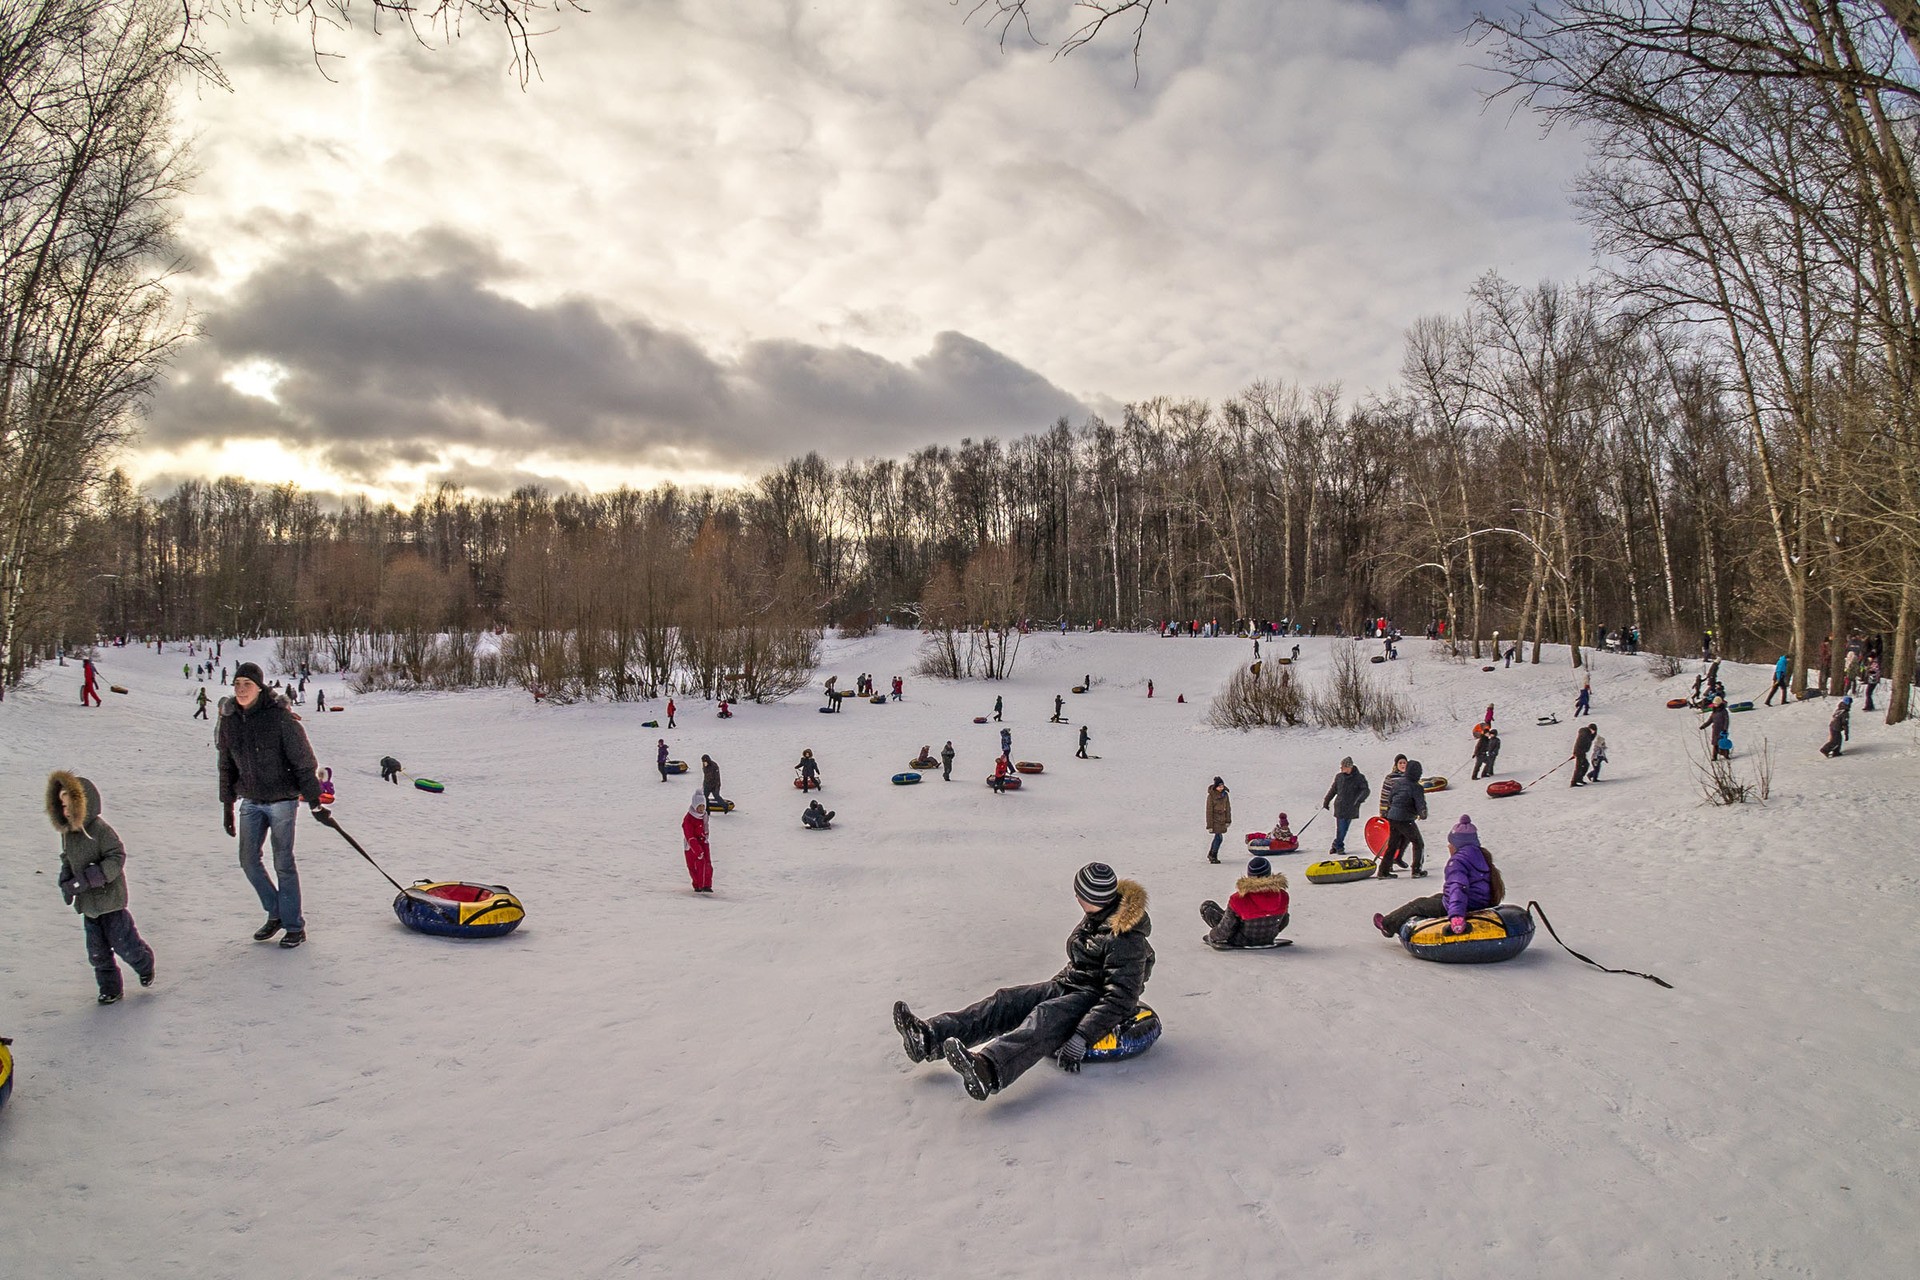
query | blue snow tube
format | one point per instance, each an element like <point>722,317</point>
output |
<point>905,779</point>
<point>1130,1041</point>
<point>456,909</point>
<point>1497,933</point>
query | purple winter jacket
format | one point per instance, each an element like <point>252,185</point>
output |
<point>1469,884</point>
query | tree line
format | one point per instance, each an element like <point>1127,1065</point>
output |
<point>1716,434</point>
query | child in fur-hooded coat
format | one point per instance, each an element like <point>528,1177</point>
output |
<point>93,879</point>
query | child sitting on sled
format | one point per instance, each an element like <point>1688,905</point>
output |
<point>1256,914</point>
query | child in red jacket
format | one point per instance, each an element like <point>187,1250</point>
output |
<point>1255,915</point>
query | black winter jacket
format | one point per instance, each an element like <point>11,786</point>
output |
<point>1109,953</point>
<point>710,776</point>
<point>1347,794</point>
<point>1409,801</point>
<point>1583,741</point>
<point>264,753</point>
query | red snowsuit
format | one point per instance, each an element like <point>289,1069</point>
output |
<point>90,683</point>
<point>699,856</point>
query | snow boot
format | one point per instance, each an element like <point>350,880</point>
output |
<point>294,938</point>
<point>146,979</point>
<point>914,1036</point>
<point>267,930</point>
<point>1380,923</point>
<point>976,1073</point>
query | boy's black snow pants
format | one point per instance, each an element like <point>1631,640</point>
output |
<point>1402,836</point>
<point>1020,1025</point>
<point>110,933</point>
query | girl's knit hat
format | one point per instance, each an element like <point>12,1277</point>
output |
<point>1463,833</point>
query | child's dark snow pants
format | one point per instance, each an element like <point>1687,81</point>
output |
<point>1022,1024</point>
<point>111,933</point>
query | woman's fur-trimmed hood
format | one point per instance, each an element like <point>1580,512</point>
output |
<point>1130,910</point>
<point>82,801</point>
<point>1275,883</point>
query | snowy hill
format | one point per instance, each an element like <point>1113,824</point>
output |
<point>645,1082</point>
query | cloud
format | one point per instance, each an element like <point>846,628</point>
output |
<point>377,365</point>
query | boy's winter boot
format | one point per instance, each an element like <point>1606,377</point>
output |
<point>294,938</point>
<point>976,1073</point>
<point>1380,923</point>
<point>267,930</point>
<point>914,1036</point>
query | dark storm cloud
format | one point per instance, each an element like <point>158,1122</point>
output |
<point>393,353</point>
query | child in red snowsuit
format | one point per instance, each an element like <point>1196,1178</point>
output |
<point>699,854</point>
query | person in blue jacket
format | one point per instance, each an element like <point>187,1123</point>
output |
<point>1782,668</point>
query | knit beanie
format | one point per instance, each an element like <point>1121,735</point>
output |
<point>1096,884</point>
<point>1259,867</point>
<point>250,671</point>
<point>1464,832</point>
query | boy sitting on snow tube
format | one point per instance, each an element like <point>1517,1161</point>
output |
<point>818,816</point>
<point>1255,915</point>
<point>1098,994</point>
<point>1472,884</point>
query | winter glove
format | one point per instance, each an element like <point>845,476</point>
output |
<point>1071,1053</point>
<point>323,815</point>
<point>227,817</point>
<point>68,889</point>
<point>92,877</point>
<point>1458,924</point>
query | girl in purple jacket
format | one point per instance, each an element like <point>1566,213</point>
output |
<point>1472,884</point>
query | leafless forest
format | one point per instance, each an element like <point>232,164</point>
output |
<point>1718,430</point>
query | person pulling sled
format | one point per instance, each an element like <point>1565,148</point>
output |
<point>993,1042</point>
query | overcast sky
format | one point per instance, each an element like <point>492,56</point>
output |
<point>718,233</point>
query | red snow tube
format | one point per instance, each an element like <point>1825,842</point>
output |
<point>1506,788</point>
<point>1010,782</point>
<point>1377,832</point>
<point>1676,703</point>
<point>1486,668</point>
<point>979,719</point>
<point>801,784</point>
<point>1029,766</point>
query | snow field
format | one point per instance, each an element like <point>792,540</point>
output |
<point>645,1082</point>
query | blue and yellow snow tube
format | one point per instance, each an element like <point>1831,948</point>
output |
<point>905,779</point>
<point>6,1073</point>
<point>1498,933</point>
<point>456,909</point>
<point>676,766</point>
<point>1130,1041</point>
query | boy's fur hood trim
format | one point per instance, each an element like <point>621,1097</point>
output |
<point>82,801</point>
<point>1132,908</point>
<point>1261,884</point>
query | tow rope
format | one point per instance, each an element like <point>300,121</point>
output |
<point>1533,908</point>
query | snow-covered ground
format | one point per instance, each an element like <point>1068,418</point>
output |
<point>642,1081</point>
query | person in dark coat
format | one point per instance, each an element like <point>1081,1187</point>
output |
<point>93,880</point>
<point>1082,752</point>
<point>200,704</point>
<point>266,767</point>
<point>1717,725</point>
<point>1485,751</point>
<point>1839,729</point>
<point>1219,816</point>
<point>710,781</point>
<point>817,816</point>
<point>809,770</point>
<point>1404,812</point>
<point>1344,797</point>
<point>1582,750</point>
<point>1058,704</point>
<point>946,761</point>
<point>390,770</point>
<point>660,757</point>
<point>996,707</point>
<point>992,1043</point>
<point>1472,884</point>
<point>1255,915</point>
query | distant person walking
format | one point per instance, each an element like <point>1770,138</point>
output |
<point>670,710</point>
<point>1782,667</point>
<point>660,758</point>
<point>89,683</point>
<point>200,701</point>
<point>1583,705</point>
<point>1219,816</point>
<point>1082,752</point>
<point>997,707</point>
<point>946,761</point>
